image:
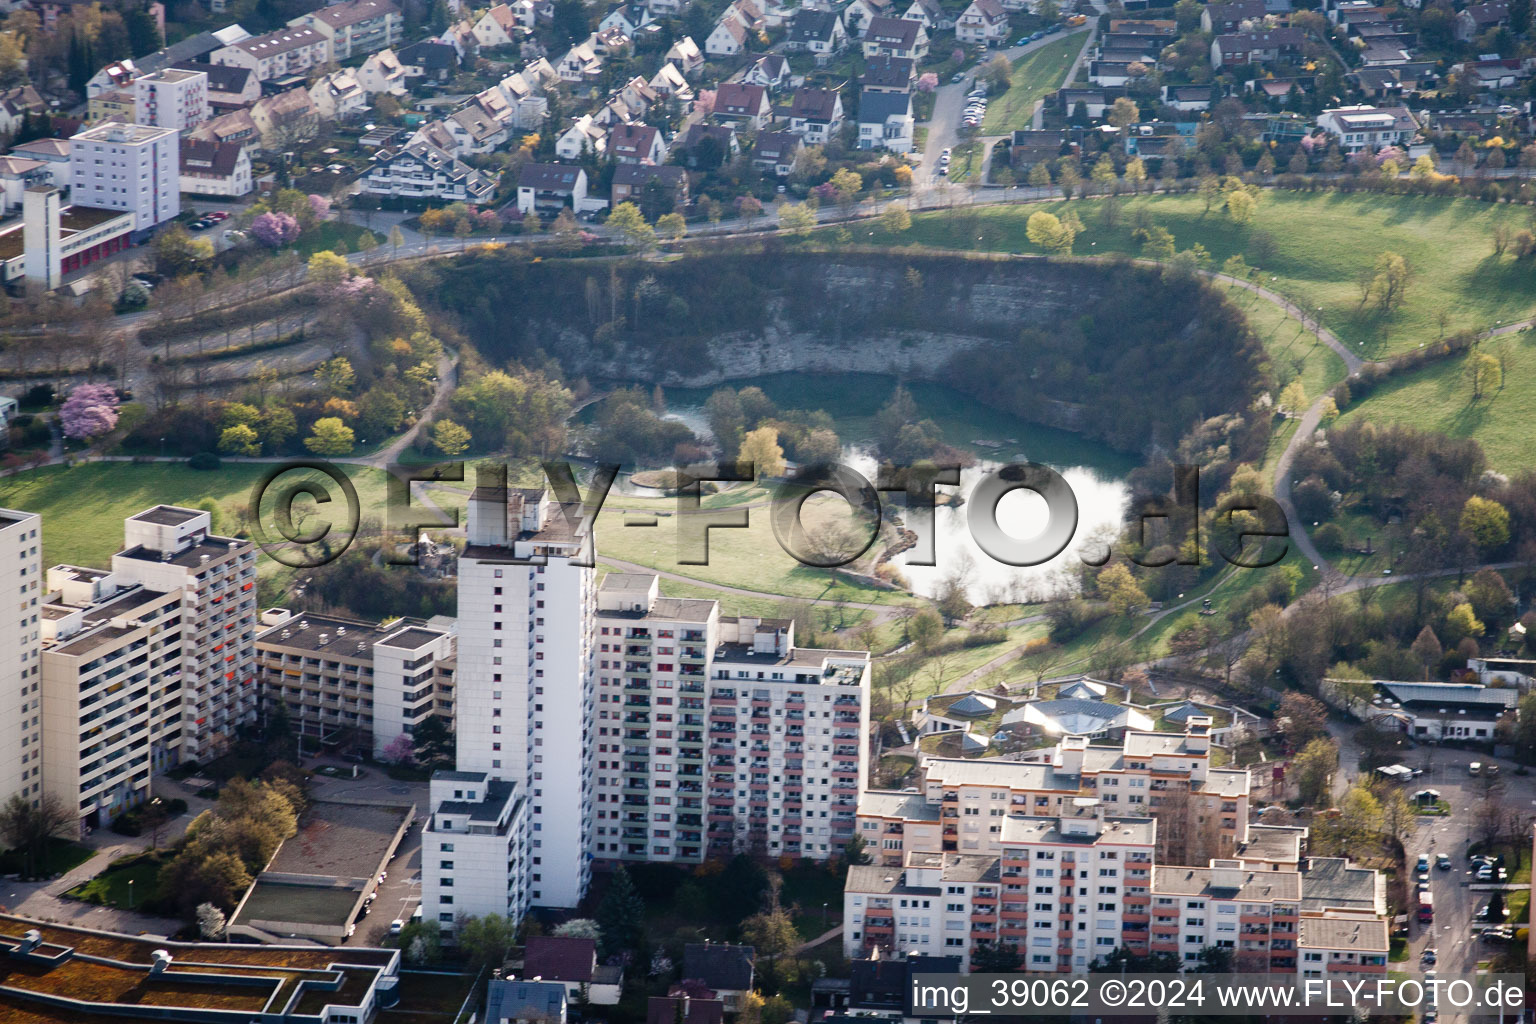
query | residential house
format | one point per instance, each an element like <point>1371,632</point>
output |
<point>436,134</point>
<point>548,188</point>
<point>723,968</point>
<point>542,76</point>
<point>888,74</point>
<point>477,128</point>
<point>728,38</point>
<point>119,74</point>
<point>429,60</point>
<point>1187,97</point>
<point>628,18</point>
<point>709,145</point>
<point>1377,55</point>
<point>580,64</point>
<point>1030,146</point>
<point>285,119</point>
<point>509,1001</point>
<point>683,1008</point>
<point>498,26</point>
<point>933,16</point>
<point>1396,81</point>
<point>630,182</point>
<point>461,36</point>
<point>742,104</point>
<point>858,15</point>
<point>886,121</point>
<point>1475,19</point>
<point>53,154</point>
<point>112,105</point>
<point>1095,101</point>
<point>816,32</point>
<point>638,95</point>
<point>748,13</point>
<point>229,87</point>
<point>816,114</point>
<point>528,107</point>
<point>1262,47</point>
<point>636,144</point>
<point>1115,73</point>
<point>1369,128</point>
<point>669,83</point>
<point>895,37</point>
<point>17,103</point>
<point>339,95</point>
<point>355,27</point>
<point>775,152</point>
<point>287,53</point>
<point>1444,711</point>
<point>609,40</point>
<point>583,136</point>
<point>17,174</point>
<point>771,71</point>
<point>1221,19</point>
<point>685,54</point>
<point>667,8</point>
<point>235,126</point>
<point>982,23</point>
<point>215,168</point>
<point>573,963</point>
<point>382,73</point>
<point>422,171</point>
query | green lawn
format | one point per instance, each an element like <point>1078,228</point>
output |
<point>1439,399</point>
<point>110,888</point>
<point>60,856</point>
<point>83,507</point>
<point>1318,243</point>
<point>1035,75</point>
<point>328,234</point>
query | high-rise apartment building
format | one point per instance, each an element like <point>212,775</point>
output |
<point>716,734</point>
<point>112,689</point>
<point>475,856</point>
<point>130,167</point>
<point>169,548</point>
<point>173,98</point>
<point>355,685</point>
<point>21,577</point>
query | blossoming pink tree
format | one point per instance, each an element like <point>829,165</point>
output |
<point>89,411</point>
<point>275,230</point>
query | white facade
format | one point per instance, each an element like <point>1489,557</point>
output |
<point>134,168</point>
<point>474,849</point>
<point>409,681</point>
<point>21,752</point>
<point>171,98</point>
<point>170,548</point>
<point>288,51</point>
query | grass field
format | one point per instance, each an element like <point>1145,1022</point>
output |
<point>1439,399</point>
<point>1320,242</point>
<point>110,888</point>
<point>1035,75</point>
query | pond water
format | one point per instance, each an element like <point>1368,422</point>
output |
<point>1095,472</point>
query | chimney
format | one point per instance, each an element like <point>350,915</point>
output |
<point>1197,734</point>
<point>1069,755</point>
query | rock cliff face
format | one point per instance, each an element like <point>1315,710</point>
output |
<point>896,314</point>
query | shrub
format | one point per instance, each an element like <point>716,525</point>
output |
<point>204,461</point>
<point>1329,537</point>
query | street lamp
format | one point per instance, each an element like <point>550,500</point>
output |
<point>130,894</point>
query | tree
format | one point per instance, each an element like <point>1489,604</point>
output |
<point>997,73</point>
<point>274,229</point>
<point>335,377</point>
<point>995,958</point>
<point>210,922</point>
<point>1486,521</point>
<point>1426,647</point>
<point>895,220</point>
<point>1461,621</point>
<point>400,750</point>
<point>1313,767</point>
<point>848,184</point>
<point>89,411</point>
<point>773,934</point>
<point>396,238</point>
<point>177,253</point>
<point>578,928</point>
<point>797,219</point>
<point>486,941</point>
<point>629,222</point>
<point>925,629</point>
<point>277,425</point>
<point>1300,718</point>
<point>1135,173</point>
<point>1048,232</point>
<point>325,267</point>
<point>1293,398</point>
<point>761,448</point>
<point>1241,205</point>
<point>433,740</point>
<point>1119,588</point>
<point>1124,112</point>
<point>1391,280</point>
<point>239,440</point>
<point>621,915</point>
<point>330,437</point>
<point>28,826</point>
<point>450,438</point>
<point>671,225</point>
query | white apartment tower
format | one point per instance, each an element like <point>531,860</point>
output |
<point>172,98</point>
<point>21,751</point>
<point>130,167</point>
<point>525,694</point>
<point>170,548</point>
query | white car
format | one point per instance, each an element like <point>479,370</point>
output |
<point>396,926</point>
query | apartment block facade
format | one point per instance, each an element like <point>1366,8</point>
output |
<point>355,28</point>
<point>170,548</point>
<point>21,577</point>
<point>173,98</point>
<point>352,685</point>
<point>996,853</point>
<point>113,663</point>
<point>715,734</point>
<point>127,167</point>
<point>285,53</point>
<point>475,856</point>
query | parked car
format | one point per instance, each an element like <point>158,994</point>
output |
<point>396,926</point>
<point>959,76</point>
<point>1485,873</point>
<point>1491,770</point>
<point>1503,933</point>
<point>1485,913</point>
<point>1443,862</point>
<point>1423,862</point>
<point>1475,768</point>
